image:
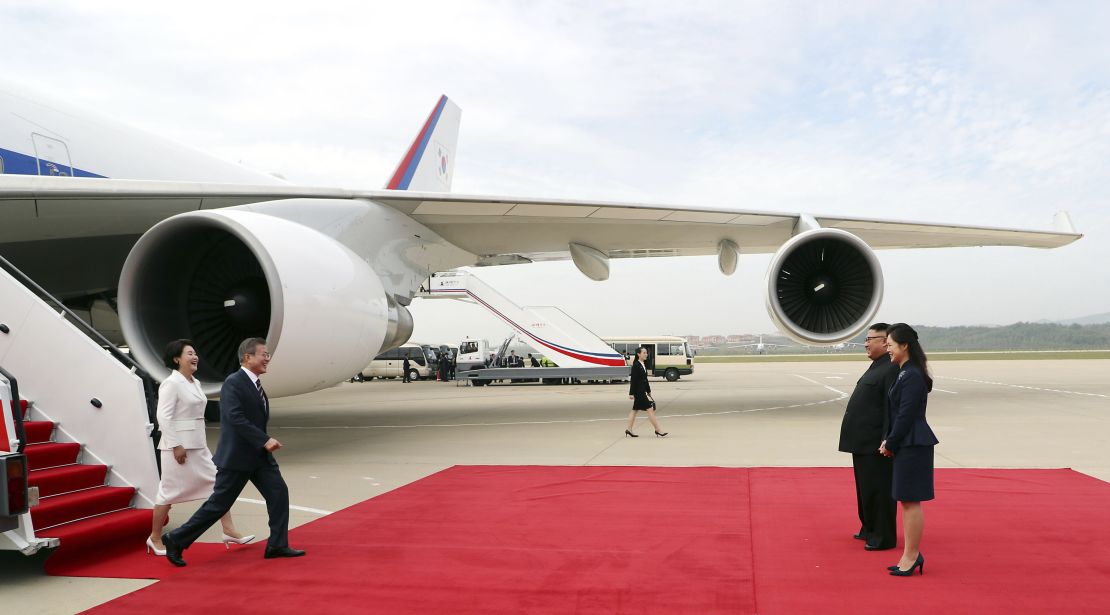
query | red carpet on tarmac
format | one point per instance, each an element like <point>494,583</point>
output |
<point>536,539</point>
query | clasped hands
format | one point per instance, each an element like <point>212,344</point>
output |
<point>883,450</point>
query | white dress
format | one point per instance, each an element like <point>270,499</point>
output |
<point>181,419</point>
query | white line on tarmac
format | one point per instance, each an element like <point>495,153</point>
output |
<point>291,507</point>
<point>821,384</point>
<point>945,391</point>
<point>1028,388</point>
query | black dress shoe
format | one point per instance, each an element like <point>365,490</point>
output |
<point>278,552</point>
<point>871,547</point>
<point>860,536</point>
<point>173,551</point>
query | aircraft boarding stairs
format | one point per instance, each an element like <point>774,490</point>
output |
<point>86,434</point>
<point>547,330</point>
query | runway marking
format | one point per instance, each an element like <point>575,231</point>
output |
<point>291,507</point>
<point>1028,388</point>
<point>945,391</point>
<point>821,384</point>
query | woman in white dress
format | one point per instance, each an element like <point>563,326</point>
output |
<point>187,469</point>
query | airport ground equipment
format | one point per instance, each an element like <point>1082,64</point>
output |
<point>548,330</point>
<point>86,436</point>
<point>548,375</point>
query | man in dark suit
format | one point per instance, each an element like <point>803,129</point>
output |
<point>244,453</point>
<point>405,365</point>
<point>865,423</point>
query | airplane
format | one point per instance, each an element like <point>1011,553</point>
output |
<point>181,244</point>
<point>760,347</point>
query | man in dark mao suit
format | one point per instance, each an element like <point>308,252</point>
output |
<point>865,422</point>
<point>244,453</point>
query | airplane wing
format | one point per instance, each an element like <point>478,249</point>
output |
<point>498,229</point>
<point>541,229</point>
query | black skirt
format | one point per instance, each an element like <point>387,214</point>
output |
<point>913,474</point>
<point>641,402</point>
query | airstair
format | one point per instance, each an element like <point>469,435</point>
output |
<point>86,432</point>
<point>578,352</point>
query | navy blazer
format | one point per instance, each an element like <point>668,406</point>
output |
<point>243,418</point>
<point>906,403</point>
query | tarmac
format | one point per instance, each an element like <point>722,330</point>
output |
<point>358,440</point>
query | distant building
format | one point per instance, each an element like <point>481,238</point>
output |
<point>712,340</point>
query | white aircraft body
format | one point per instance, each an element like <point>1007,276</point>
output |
<point>759,346</point>
<point>185,245</point>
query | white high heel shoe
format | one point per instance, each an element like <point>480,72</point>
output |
<point>228,540</point>
<point>150,547</point>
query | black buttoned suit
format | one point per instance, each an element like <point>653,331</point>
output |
<point>240,457</point>
<point>861,432</point>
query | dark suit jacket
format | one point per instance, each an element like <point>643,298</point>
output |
<point>865,418</point>
<point>639,380</point>
<point>907,400</point>
<point>243,418</point>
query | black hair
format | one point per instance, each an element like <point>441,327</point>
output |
<point>642,348</point>
<point>902,333</point>
<point>173,350</point>
<point>881,327</point>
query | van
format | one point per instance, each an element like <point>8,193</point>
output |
<point>389,364</point>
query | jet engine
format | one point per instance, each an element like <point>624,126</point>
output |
<point>824,286</point>
<point>218,277</point>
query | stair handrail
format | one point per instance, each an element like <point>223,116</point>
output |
<point>17,408</point>
<point>150,385</point>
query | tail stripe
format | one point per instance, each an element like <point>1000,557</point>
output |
<point>403,175</point>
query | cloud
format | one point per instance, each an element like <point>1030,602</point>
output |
<point>990,113</point>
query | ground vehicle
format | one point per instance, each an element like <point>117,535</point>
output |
<point>389,363</point>
<point>472,354</point>
<point>668,356</point>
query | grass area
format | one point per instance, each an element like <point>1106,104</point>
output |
<point>1053,355</point>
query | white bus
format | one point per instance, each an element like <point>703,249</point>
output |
<point>389,364</point>
<point>668,356</point>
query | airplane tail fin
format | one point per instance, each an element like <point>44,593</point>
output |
<point>429,163</point>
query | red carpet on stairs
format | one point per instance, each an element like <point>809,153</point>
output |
<point>76,505</point>
<point>659,540</point>
<point>64,479</point>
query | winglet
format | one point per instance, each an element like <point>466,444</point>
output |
<point>429,163</point>
<point>1062,223</point>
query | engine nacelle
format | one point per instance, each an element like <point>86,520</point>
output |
<point>400,326</point>
<point>824,286</point>
<point>218,277</point>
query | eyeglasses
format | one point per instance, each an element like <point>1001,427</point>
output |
<point>874,337</point>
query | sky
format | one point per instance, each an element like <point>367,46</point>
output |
<point>987,113</point>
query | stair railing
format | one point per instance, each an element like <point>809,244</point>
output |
<point>150,385</point>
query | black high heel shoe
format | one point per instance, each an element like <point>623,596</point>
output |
<point>661,435</point>
<point>630,434</point>
<point>920,564</point>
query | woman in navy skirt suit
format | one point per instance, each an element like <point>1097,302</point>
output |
<point>910,441</point>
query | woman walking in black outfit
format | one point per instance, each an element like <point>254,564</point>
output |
<point>910,441</point>
<point>640,393</point>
